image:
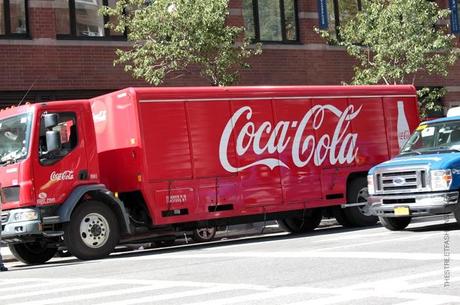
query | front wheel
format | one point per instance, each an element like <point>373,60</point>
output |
<point>302,224</point>
<point>457,215</point>
<point>33,253</point>
<point>93,231</point>
<point>354,216</point>
<point>395,223</point>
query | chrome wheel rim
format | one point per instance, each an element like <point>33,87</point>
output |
<point>94,230</point>
<point>205,233</point>
<point>363,194</point>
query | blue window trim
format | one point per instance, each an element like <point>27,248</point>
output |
<point>454,22</point>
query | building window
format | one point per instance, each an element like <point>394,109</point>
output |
<point>271,20</point>
<point>340,11</point>
<point>80,19</point>
<point>13,19</point>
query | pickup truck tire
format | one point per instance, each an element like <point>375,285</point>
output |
<point>302,224</point>
<point>32,253</point>
<point>395,223</point>
<point>204,234</point>
<point>93,231</point>
<point>457,215</point>
<point>353,216</point>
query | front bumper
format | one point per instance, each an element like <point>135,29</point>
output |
<point>421,204</point>
<point>14,231</point>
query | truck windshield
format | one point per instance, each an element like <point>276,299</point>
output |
<point>429,138</point>
<point>14,138</point>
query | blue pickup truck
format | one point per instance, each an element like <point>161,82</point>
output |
<point>424,179</point>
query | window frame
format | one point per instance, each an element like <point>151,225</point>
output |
<point>7,22</point>
<point>255,13</point>
<point>48,161</point>
<point>73,27</point>
<point>336,9</point>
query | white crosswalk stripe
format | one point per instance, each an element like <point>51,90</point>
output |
<point>407,290</point>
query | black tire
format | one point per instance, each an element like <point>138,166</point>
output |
<point>93,231</point>
<point>302,224</point>
<point>457,215</point>
<point>339,215</point>
<point>32,253</point>
<point>395,223</point>
<point>357,192</point>
<point>204,234</point>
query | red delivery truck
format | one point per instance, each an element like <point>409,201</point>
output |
<point>141,162</point>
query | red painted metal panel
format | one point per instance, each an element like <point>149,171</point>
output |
<point>165,140</point>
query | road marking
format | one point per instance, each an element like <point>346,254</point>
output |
<point>169,296</point>
<point>273,293</point>
<point>109,293</point>
<point>306,254</point>
<point>34,292</point>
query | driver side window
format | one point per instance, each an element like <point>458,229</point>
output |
<point>65,137</point>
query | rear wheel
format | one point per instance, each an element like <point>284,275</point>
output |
<point>33,253</point>
<point>395,223</point>
<point>204,234</point>
<point>93,231</point>
<point>302,224</point>
<point>354,216</point>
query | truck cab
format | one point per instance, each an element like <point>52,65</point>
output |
<point>47,154</point>
<point>424,179</point>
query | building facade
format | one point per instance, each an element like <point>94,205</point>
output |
<point>59,49</point>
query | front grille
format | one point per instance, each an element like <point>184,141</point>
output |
<point>401,181</point>
<point>4,217</point>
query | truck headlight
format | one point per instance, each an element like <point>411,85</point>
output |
<point>370,185</point>
<point>441,179</point>
<point>25,215</point>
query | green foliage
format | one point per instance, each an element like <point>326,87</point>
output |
<point>429,101</point>
<point>394,40</point>
<point>174,36</point>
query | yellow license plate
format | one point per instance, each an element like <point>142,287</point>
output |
<point>402,211</point>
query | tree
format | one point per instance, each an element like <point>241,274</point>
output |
<point>172,36</point>
<point>394,40</point>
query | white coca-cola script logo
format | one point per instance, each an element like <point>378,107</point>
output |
<point>340,148</point>
<point>65,175</point>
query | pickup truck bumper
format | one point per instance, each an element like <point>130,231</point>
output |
<point>414,204</point>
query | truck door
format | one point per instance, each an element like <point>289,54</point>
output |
<point>58,172</point>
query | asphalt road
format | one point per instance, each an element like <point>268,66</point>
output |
<point>420,265</point>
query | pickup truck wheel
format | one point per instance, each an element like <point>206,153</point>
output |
<point>33,253</point>
<point>204,234</point>
<point>457,215</point>
<point>395,223</point>
<point>302,224</point>
<point>354,216</point>
<point>93,231</point>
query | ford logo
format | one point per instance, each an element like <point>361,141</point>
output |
<point>399,181</point>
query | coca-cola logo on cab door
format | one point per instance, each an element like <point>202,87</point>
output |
<point>338,148</point>
<point>65,175</point>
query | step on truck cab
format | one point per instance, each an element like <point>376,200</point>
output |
<point>423,180</point>
<point>144,163</point>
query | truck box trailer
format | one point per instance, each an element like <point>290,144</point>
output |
<point>140,162</point>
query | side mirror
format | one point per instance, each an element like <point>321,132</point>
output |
<point>50,120</point>
<point>53,141</point>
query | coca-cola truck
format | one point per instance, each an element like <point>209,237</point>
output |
<point>143,162</point>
